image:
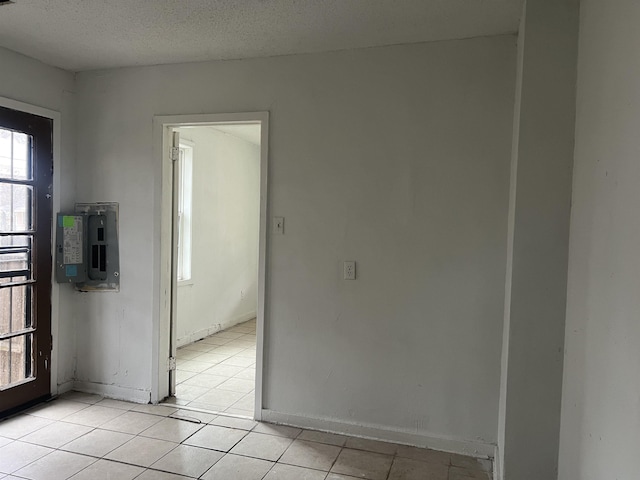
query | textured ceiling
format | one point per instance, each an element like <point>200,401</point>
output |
<point>90,34</point>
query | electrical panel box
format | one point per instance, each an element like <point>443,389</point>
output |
<point>87,252</point>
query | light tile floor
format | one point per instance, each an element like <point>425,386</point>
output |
<point>85,437</point>
<point>218,372</point>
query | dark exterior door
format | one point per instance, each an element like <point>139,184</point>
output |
<point>26,170</point>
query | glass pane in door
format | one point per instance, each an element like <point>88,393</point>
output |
<point>15,155</point>
<point>16,206</point>
<point>16,360</point>
<point>15,309</point>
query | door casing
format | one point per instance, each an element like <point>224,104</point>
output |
<point>162,347</point>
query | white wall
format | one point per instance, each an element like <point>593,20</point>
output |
<point>538,241</point>
<point>600,433</point>
<point>29,81</point>
<point>222,290</point>
<point>396,157</point>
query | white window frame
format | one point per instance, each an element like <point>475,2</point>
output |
<point>185,211</point>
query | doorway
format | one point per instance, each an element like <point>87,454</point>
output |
<point>218,199</point>
<point>216,268</point>
<point>26,168</point>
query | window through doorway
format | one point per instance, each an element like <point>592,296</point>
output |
<point>185,198</point>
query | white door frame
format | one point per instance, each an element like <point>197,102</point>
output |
<point>162,125</point>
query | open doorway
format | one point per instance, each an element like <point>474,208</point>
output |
<point>218,267</point>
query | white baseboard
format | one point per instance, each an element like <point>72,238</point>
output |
<point>113,391</point>
<point>377,432</point>
<point>205,332</point>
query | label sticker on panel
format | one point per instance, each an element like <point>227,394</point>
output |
<point>72,236</point>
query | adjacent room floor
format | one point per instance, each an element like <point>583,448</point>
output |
<point>218,373</point>
<point>85,437</point>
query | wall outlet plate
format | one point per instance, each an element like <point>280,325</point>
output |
<point>349,270</point>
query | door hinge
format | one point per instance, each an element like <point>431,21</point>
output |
<point>171,364</point>
<point>175,154</point>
